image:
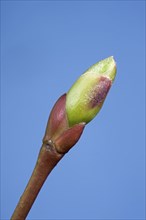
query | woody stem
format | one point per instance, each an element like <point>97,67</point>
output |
<point>47,159</point>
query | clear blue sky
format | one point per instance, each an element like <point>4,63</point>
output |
<point>45,47</point>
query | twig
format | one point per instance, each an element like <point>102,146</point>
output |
<point>47,160</point>
<point>66,123</point>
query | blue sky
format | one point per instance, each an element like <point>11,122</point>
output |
<point>45,47</point>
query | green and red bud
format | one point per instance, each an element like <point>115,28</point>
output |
<point>86,96</point>
<point>81,104</point>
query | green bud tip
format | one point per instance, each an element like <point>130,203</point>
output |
<point>86,96</point>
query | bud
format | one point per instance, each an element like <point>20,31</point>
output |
<point>85,98</point>
<point>73,111</point>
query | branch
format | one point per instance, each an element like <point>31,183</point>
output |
<point>47,160</point>
<point>66,123</point>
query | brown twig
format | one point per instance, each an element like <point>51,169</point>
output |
<point>47,159</point>
<point>66,123</point>
<point>57,141</point>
